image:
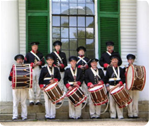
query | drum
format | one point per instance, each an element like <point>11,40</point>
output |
<point>121,96</point>
<point>22,76</point>
<point>54,92</point>
<point>76,95</point>
<point>136,77</point>
<point>98,95</point>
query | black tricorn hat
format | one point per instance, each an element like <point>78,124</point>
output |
<point>49,56</point>
<point>109,43</point>
<point>92,60</point>
<point>130,56</point>
<point>19,56</point>
<point>34,43</point>
<point>73,58</point>
<point>81,47</point>
<point>116,55</point>
<point>57,43</point>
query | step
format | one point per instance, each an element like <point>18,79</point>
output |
<point>6,107</point>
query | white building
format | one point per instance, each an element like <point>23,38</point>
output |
<point>17,26</point>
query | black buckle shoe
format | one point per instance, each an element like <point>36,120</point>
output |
<point>31,103</point>
<point>38,103</point>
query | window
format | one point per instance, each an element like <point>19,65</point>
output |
<point>73,24</point>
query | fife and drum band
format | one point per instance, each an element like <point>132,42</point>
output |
<point>88,81</point>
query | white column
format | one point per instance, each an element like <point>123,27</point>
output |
<point>9,44</point>
<point>143,42</point>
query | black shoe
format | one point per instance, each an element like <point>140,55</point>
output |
<point>71,118</point>
<point>113,118</point>
<point>135,117</point>
<point>47,118</point>
<point>130,117</point>
<point>98,118</point>
<point>38,103</point>
<point>93,117</point>
<point>59,103</point>
<point>31,103</point>
<point>14,119</point>
<point>23,119</point>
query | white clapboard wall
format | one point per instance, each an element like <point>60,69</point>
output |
<point>128,23</point>
<point>22,25</point>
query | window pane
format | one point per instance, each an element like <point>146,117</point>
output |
<point>64,21</point>
<point>73,44</point>
<point>56,0</point>
<point>81,32</point>
<point>81,9</point>
<point>73,32</point>
<point>56,21</point>
<point>65,43</point>
<point>64,8</point>
<point>81,42</point>
<point>90,54</point>
<point>73,8</point>
<point>89,33</point>
<point>81,1</point>
<point>73,1</point>
<point>89,9</point>
<point>89,22</point>
<point>73,53</point>
<point>81,21</point>
<point>90,44</point>
<point>56,8</point>
<point>56,32</point>
<point>64,32</point>
<point>64,1</point>
<point>72,21</point>
<point>89,1</point>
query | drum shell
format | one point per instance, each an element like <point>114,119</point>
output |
<point>77,96</point>
<point>99,95</point>
<point>121,97</point>
<point>54,93</point>
<point>138,78</point>
<point>22,76</point>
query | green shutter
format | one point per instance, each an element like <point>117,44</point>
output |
<point>108,24</point>
<point>37,4</point>
<point>38,25</point>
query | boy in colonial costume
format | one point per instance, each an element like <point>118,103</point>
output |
<point>19,95</point>
<point>60,61</point>
<point>49,74</point>
<point>105,57</point>
<point>134,94</point>
<point>35,58</point>
<point>82,63</point>
<point>73,77</point>
<point>93,76</point>
<point>114,77</point>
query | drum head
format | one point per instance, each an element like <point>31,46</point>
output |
<point>130,77</point>
<point>50,86</point>
<point>95,88</point>
<point>116,90</point>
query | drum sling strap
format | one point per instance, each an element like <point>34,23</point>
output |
<point>60,59</point>
<point>74,74</point>
<point>35,55</point>
<point>81,58</point>
<point>108,53</point>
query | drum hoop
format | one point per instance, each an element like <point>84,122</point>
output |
<point>132,81</point>
<point>116,91</point>
<point>15,76</point>
<point>124,105</point>
<point>30,77</point>
<point>56,83</point>
<point>76,88</point>
<point>144,78</point>
<point>83,99</point>
<point>96,89</point>
<point>60,99</point>
<point>101,103</point>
